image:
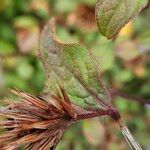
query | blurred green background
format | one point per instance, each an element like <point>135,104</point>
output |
<point>125,63</point>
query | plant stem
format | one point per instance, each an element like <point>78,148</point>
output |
<point>128,136</point>
<point>125,131</point>
<point>116,116</point>
<point>111,111</point>
<point>93,114</point>
<point>115,92</point>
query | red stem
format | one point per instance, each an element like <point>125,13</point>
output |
<point>92,114</point>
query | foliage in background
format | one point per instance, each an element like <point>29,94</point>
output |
<point>125,62</point>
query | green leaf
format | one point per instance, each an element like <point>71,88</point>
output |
<point>112,15</point>
<point>72,67</point>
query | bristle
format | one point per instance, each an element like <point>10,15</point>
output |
<point>33,122</point>
<point>31,100</point>
<point>67,107</point>
<point>65,96</point>
<point>68,104</point>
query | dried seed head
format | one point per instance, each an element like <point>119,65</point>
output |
<point>35,123</point>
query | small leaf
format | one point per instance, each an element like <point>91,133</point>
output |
<point>73,67</point>
<point>112,15</point>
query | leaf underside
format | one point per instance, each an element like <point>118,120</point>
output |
<point>72,67</point>
<point>112,15</point>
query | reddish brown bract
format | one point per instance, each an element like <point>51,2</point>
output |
<point>35,123</point>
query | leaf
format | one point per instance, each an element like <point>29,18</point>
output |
<point>112,15</point>
<point>72,67</point>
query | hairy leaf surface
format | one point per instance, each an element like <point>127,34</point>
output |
<point>72,67</point>
<point>112,15</point>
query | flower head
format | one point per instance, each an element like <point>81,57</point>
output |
<point>35,123</point>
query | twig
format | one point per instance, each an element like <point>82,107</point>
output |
<point>114,93</point>
<point>92,114</point>
<point>112,112</point>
